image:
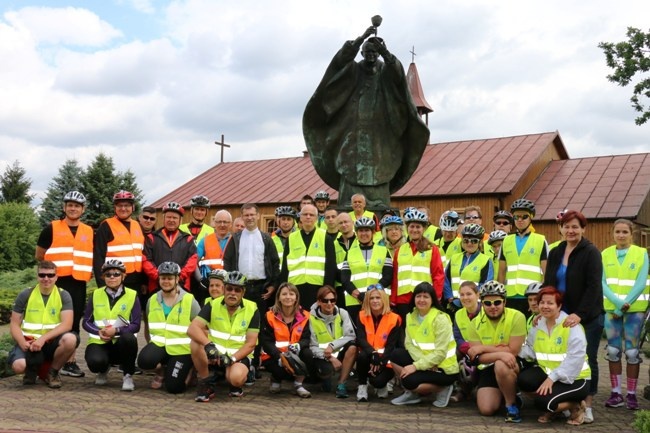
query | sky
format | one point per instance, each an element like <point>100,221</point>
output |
<point>153,84</point>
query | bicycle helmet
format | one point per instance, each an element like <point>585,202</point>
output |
<point>169,268</point>
<point>415,216</point>
<point>322,195</point>
<point>285,211</point>
<point>390,219</point>
<point>123,195</point>
<point>409,209</point>
<point>533,288</point>
<point>173,206</point>
<point>492,288</point>
<point>76,197</point>
<point>236,278</point>
<point>523,204</point>
<point>560,215</point>
<point>113,264</point>
<point>449,221</point>
<point>218,274</point>
<point>497,235</point>
<point>503,214</point>
<point>200,201</point>
<point>472,231</point>
<point>365,223</point>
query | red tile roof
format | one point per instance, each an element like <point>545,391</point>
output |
<point>600,187</point>
<point>453,168</point>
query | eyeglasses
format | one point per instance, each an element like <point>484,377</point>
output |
<point>222,222</point>
<point>521,217</point>
<point>112,274</point>
<point>148,218</point>
<point>472,217</point>
<point>491,303</point>
<point>44,275</point>
<point>502,223</point>
<point>235,289</point>
<point>328,301</point>
<point>472,241</point>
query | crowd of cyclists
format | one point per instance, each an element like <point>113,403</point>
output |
<point>463,310</point>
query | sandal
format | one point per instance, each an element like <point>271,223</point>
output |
<point>546,417</point>
<point>578,414</point>
<point>157,382</point>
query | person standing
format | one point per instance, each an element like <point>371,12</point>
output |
<point>147,220</point>
<point>321,201</point>
<point>210,250</point>
<point>199,207</point>
<point>69,244</point>
<point>285,218</point>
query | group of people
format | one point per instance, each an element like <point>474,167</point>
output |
<point>438,310</point>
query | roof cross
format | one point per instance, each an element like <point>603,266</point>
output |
<point>222,144</point>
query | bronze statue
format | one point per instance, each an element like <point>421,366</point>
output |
<point>361,128</point>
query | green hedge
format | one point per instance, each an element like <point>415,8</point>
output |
<point>6,343</point>
<point>642,421</point>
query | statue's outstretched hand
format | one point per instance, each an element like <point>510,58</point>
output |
<point>372,30</point>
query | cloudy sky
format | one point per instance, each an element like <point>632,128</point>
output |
<point>153,83</point>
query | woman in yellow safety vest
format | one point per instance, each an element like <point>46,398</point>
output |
<point>471,306</point>
<point>626,289</point>
<point>428,362</point>
<point>560,380</point>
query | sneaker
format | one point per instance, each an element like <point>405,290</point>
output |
<point>72,369</point>
<point>589,416</point>
<point>250,378</point>
<point>519,401</point>
<point>341,391</point>
<point>53,379</point>
<point>30,376</point>
<point>631,402</point>
<point>204,391</point>
<point>615,400</point>
<point>382,392</point>
<point>390,386</point>
<point>362,393</point>
<point>236,392</point>
<point>102,378</point>
<point>127,383</point>
<point>442,398</point>
<point>327,384</point>
<point>274,388</point>
<point>407,398</point>
<point>512,414</point>
<point>302,392</point>
<point>138,371</point>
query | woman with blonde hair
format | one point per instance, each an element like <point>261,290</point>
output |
<point>378,332</point>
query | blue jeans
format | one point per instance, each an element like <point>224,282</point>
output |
<point>593,333</point>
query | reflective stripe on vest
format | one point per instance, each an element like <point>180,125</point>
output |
<point>550,350</point>
<point>412,269</point>
<point>494,335</point>
<point>283,335</point>
<point>323,336</point>
<point>213,257</point>
<point>621,277</point>
<point>105,316</point>
<point>423,336</point>
<point>454,247</point>
<point>73,255</point>
<point>364,274</point>
<point>171,332</point>
<point>40,318</point>
<point>206,230</point>
<point>306,266</point>
<point>525,268</point>
<point>126,244</point>
<point>229,334</point>
<point>471,272</point>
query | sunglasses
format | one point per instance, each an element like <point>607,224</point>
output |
<point>502,223</point>
<point>375,287</point>
<point>491,303</point>
<point>112,274</point>
<point>44,275</point>
<point>472,217</point>
<point>148,218</point>
<point>521,217</point>
<point>235,289</point>
<point>471,241</point>
<point>328,301</point>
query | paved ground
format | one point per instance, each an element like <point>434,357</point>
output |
<point>81,407</point>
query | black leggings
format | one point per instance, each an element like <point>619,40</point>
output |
<point>402,358</point>
<point>378,381</point>
<point>177,367</point>
<point>531,378</point>
<point>123,351</point>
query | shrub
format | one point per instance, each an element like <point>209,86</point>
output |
<point>642,421</point>
<point>6,343</point>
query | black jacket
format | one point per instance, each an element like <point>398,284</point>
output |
<point>584,289</point>
<point>271,259</point>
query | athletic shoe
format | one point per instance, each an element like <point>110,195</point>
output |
<point>30,376</point>
<point>72,369</point>
<point>589,416</point>
<point>442,398</point>
<point>382,392</point>
<point>204,391</point>
<point>235,392</point>
<point>127,383</point>
<point>53,379</point>
<point>362,393</point>
<point>341,391</point>
<point>250,378</point>
<point>512,414</point>
<point>407,398</point>
<point>302,392</point>
<point>138,370</point>
<point>519,402</point>
<point>102,378</point>
<point>615,400</point>
<point>390,386</point>
<point>274,388</point>
<point>631,402</point>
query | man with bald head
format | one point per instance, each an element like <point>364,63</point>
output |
<point>342,244</point>
<point>211,248</point>
<point>309,259</point>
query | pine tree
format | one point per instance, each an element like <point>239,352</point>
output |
<point>19,231</point>
<point>14,186</point>
<point>70,178</point>
<point>100,182</point>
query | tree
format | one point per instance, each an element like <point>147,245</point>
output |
<point>70,178</point>
<point>627,59</point>
<point>19,231</point>
<point>14,186</point>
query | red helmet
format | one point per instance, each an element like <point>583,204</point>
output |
<point>123,196</point>
<point>173,206</point>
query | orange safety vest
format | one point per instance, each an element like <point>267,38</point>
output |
<point>72,255</point>
<point>126,245</point>
<point>283,335</point>
<point>213,253</point>
<point>377,337</point>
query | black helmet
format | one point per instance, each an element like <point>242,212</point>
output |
<point>322,195</point>
<point>503,214</point>
<point>365,223</point>
<point>472,231</point>
<point>169,268</point>
<point>523,204</point>
<point>236,278</point>
<point>113,264</point>
<point>200,201</point>
<point>285,211</point>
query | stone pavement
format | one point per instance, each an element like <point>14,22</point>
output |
<point>81,407</point>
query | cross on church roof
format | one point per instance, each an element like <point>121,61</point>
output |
<point>222,144</point>
<point>413,54</point>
